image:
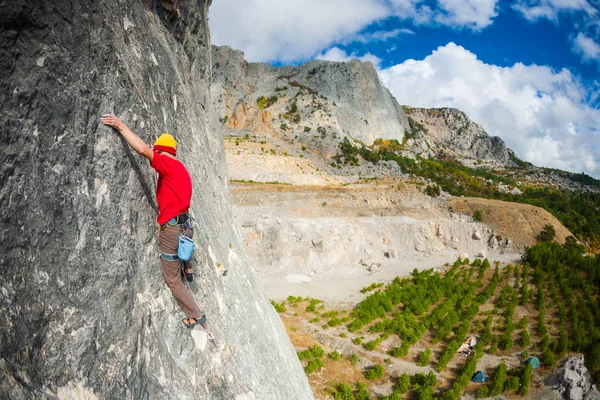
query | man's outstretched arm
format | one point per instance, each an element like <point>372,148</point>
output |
<point>131,138</point>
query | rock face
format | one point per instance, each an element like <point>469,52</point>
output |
<point>318,103</point>
<point>573,380</point>
<point>452,131</point>
<point>84,310</point>
<point>337,237</point>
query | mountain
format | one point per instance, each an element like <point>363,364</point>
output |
<point>317,104</point>
<point>450,132</point>
<point>320,103</point>
<point>85,312</point>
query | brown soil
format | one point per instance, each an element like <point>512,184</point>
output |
<point>522,223</point>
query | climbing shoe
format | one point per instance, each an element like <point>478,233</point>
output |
<point>187,321</point>
<point>188,276</point>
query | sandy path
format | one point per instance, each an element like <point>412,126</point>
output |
<point>346,289</point>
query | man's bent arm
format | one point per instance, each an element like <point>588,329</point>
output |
<point>131,138</point>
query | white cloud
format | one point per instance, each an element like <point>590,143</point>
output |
<point>582,16</point>
<point>289,31</point>
<point>473,14</point>
<point>336,54</point>
<point>542,114</point>
<point>533,10</point>
<point>378,36</point>
<point>586,47</point>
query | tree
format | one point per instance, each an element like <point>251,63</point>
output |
<point>478,216</point>
<point>548,233</point>
<point>499,378</point>
<point>403,384</point>
<point>525,380</point>
<point>572,244</point>
<point>424,358</point>
<point>375,372</point>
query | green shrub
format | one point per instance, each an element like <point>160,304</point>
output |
<point>522,323</point>
<point>344,392</point>
<point>279,307</point>
<point>499,378</point>
<point>525,380</point>
<point>374,372</point>
<point>312,307</point>
<point>424,358</point>
<point>512,383</point>
<point>399,351</point>
<point>433,191</point>
<point>372,344</point>
<point>334,355</point>
<point>483,392</point>
<point>353,358</point>
<point>293,300</point>
<point>403,384</point>
<point>361,392</point>
<point>478,215</point>
<point>315,351</point>
<point>371,287</point>
<point>329,314</point>
<point>313,365</point>
<point>262,102</point>
<point>548,233</point>
<point>548,358</point>
<point>525,338</point>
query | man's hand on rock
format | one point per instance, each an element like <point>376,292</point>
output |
<point>112,121</point>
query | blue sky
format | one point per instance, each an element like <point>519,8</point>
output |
<point>526,70</point>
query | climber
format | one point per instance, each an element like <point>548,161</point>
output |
<point>173,194</point>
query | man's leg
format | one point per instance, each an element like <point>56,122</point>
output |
<point>169,241</point>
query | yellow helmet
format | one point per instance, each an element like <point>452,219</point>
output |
<point>167,143</point>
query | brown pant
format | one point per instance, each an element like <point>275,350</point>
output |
<point>169,241</point>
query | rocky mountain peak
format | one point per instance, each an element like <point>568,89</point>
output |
<point>318,103</point>
<point>452,132</point>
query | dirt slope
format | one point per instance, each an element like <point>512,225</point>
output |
<point>521,223</point>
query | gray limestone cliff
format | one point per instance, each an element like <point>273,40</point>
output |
<point>318,103</point>
<point>83,308</point>
<point>451,131</point>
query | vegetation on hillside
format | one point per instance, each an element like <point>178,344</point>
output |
<point>578,212</point>
<point>557,287</point>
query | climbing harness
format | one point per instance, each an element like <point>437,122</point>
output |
<point>169,257</point>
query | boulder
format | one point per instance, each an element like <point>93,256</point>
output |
<point>573,376</point>
<point>493,242</point>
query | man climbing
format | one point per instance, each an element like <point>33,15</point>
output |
<point>173,194</point>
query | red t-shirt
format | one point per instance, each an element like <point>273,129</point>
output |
<point>174,187</point>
